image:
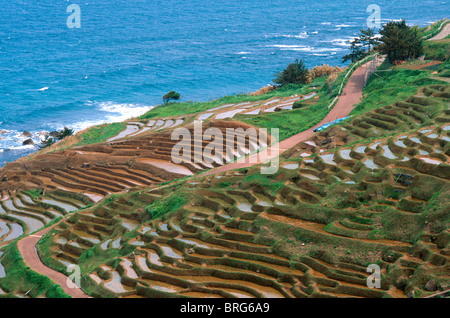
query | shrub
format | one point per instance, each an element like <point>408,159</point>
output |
<point>64,133</point>
<point>295,73</point>
<point>298,104</point>
<point>321,70</point>
<point>54,137</point>
<point>47,142</point>
<point>356,52</point>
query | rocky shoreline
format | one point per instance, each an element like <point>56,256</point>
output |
<point>27,137</point>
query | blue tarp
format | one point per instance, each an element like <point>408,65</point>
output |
<point>331,123</point>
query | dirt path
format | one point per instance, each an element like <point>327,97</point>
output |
<point>351,95</point>
<point>27,248</point>
<point>443,34</point>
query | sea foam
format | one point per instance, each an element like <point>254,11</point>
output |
<point>115,112</point>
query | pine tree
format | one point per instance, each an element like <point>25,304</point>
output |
<point>295,73</point>
<point>400,42</point>
<point>367,38</point>
<point>356,51</point>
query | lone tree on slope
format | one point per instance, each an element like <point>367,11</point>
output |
<point>172,95</point>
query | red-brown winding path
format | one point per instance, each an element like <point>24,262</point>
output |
<point>351,95</point>
<point>27,248</point>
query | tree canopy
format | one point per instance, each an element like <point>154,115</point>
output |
<point>400,42</point>
<point>366,39</point>
<point>172,95</point>
<point>295,73</point>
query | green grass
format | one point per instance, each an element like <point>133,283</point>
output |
<point>100,133</point>
<point>21,279</point>
<point>294,121</point>
<point>34,194</point>
<point>167,205</point>
<point>267,181</point>
<point>386,88</point>
<point>433,30</point>
<point>437,50</point>
<point>192,107</point>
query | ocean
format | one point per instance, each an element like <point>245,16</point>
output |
<point>127,54</point>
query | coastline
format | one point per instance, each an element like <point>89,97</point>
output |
<point>341,199</point>
<point>17,151</point>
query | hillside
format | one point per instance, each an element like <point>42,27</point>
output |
<point>372,189</point>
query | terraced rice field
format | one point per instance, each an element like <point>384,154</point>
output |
<point>20,214</point>
<point>308,231</point>
<point>100,170</point>
<point>373,189</point>
<point>228,111</point>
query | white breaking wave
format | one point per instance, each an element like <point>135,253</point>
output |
<point>301,35</point>
<point>344,42</point>
<point>391,20</point>
<point>13,139</point>
<point>297,36</point>
<point>22,147</point>
<point>43,89</point>
<point>341,43</point>
<point>287,46</point>
<point>123,111</point>
<point>303,48</point>
<point>117,113</point>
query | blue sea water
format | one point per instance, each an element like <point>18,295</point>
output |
<point>127,54</point>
